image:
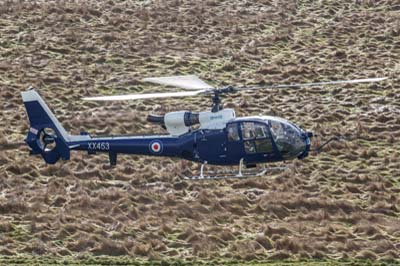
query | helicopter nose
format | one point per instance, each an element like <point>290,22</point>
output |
<point>307,139</point>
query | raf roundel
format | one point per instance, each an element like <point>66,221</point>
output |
<point>156,146</point>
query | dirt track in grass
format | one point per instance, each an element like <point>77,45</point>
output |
<point>343,203</point>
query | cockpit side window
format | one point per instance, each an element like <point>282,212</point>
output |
<point>264,145</point>
<point>248,130</point>
<point>256,138</point>
<point>287,138</point>
<point>276,129</point>
<point>260,131</point>
<point>233,132</point>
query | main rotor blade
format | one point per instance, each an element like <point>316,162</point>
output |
<point>314,84</point>
<point>145,96</point>
<point>189,82</point>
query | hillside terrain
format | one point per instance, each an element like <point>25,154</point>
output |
<point>343,203</point>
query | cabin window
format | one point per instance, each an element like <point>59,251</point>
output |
<point>249,147</point>
<point>233,132</point>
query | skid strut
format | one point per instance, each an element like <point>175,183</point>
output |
<point>202,170</point>
<point>240,168</point>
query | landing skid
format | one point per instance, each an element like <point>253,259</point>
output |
<point>241,174</point>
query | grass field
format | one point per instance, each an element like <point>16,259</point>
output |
<point>106,261</point>
<point>341,204</point>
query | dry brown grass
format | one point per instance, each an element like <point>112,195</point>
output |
<point>342,203</point>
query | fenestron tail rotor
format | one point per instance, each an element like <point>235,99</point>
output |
<point>47,138</point>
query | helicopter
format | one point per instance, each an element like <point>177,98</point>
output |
<point>215,137</point>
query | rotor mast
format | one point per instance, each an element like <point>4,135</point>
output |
<point>217,102</point>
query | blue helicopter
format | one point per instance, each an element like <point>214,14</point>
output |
<point>215,137</point>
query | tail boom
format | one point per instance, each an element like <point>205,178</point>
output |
<point>156,145</point>
<point>42,121</point>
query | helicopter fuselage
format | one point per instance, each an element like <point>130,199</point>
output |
<point>221,139</point>
<point>251,139</point>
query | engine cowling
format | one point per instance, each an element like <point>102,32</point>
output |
<point>178,123</point>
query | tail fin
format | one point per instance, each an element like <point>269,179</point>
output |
<point>44,129</point>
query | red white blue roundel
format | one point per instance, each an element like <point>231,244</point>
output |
<point>156,146</point>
